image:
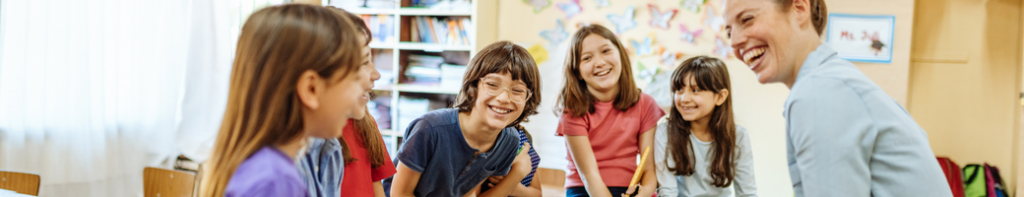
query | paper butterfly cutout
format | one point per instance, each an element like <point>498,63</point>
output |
<point>623,22</point>
<point>692,5</point>
<point>722,50</point>
<point>538,5</point>
<point>688,35</point>
<point>571,9</point>
<point>642,48</point>
<point>669,58</point>
<point>602,3</point>
<point>646,73</point>
<point>580,24</point>
<point>539,53</point>
<point>556,35</point>
<point>714,21</point>
<point>660,19</point>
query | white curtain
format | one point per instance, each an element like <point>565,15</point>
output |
<point>91,92</point>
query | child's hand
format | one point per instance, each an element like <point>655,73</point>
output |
<point>491,181</point>
<point>632,191</point>
<point>522,161</point>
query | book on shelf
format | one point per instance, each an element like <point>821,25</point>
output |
<point>426,60</point>
<point>414,32</point>
<point>382,27</point>
<point>466,25</point>
<point>424,69</point>
<point>449,30</point>
<point>449,5</point>
<point>363,4</point>
<point>424,3</point>
<point>440,30</point>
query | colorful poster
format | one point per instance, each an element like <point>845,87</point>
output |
<point>862,38</point>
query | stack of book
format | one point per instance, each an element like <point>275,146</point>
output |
<point>424,69</point>
<point>382,27</point>
<point>424,3</point>
<point>441,30</point>
<point>380,110</point>
<point>409,109</point>
<point>451,76</point>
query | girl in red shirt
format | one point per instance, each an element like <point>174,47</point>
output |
<point>605,119</point>
<point>366,158</point>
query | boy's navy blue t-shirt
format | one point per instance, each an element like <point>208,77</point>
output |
<point>434,146</point>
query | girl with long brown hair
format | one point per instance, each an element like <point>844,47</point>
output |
<point>294,77</point>
<point>327,160</point>
<point>699,150</point>
<point>605,118</point>
<point>366,158</point>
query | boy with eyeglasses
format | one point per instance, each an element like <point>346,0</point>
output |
<point>450,152</point>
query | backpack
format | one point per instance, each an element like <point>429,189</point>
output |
<point>975,181</point>
<point>953,176</point>
<point>994,182</point>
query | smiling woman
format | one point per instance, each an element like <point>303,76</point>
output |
<point>871,147</point>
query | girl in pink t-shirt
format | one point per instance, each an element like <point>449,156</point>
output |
<point>605,118</point>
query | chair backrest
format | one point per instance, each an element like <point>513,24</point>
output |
<point>159,182</point>
<point>23,183</point>
<point>552,181</point>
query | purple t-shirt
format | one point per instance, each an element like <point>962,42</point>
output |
<point>268,172</point>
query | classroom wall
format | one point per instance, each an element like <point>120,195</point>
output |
<point>964,80</point>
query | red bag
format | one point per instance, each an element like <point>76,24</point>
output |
<point>953,176</point>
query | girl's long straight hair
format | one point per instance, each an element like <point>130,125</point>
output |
<point>276,45</point>
<point>372,141</point>
<point>366,127</point>
<point>710,74</point>
<point>575,98</point>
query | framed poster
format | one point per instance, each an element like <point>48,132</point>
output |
<point>862,38</point>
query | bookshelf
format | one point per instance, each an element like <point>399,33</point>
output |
<point>394,90</point>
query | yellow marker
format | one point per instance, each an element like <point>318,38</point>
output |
<point>639,169</point>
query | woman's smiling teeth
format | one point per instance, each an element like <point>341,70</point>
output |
<point>500,110</point>
<point>753,54</point>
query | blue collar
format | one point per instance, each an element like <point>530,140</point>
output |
<point>823,53</point>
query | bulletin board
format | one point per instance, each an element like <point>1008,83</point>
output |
<point>523,20</point>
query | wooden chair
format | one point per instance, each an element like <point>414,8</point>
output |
<point>23,183</point>
<point>552,181</point>
<point>159,182</point>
